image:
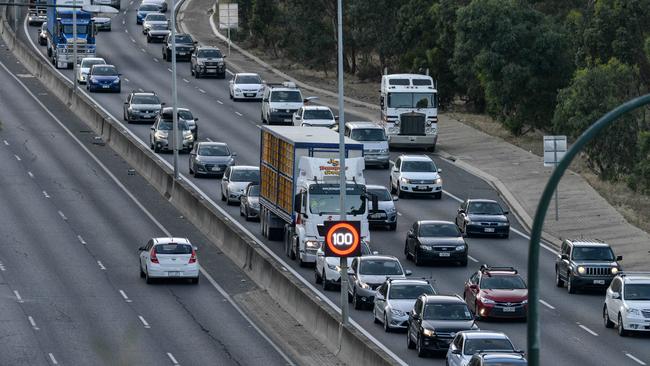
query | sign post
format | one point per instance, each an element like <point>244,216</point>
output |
<point>228,18</point>
<point>555,148</point>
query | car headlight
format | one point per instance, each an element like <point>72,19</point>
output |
<point>274,110</point>
<point>614,270</point>
<point>632,311</point>
<point>425,247</point>
<point>391,209</point>
<point>525,302</point>
<point>161,134</point>
<point>404,180</point>
<point>237,90</point>
<point>333,267</point>
<point>428,332</point>
<point>364,285</point>
<point>582,270</point>
<point>397,312</point>
<point>220,63</point>
<point>312,244</point>
<point>116,81</point>
<point>460,248</point>
<point>485,300</point>
<point>437,181</point>
<point>188,136</point>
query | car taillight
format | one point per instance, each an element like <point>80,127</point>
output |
<point>193,257</point>
<point>153,256</point>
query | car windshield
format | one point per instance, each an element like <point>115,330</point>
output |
<point>485,344</point>
<point>324,199</point>
<point>382,194</point>
<point>89,63</point>
<point>210,53</point>
<point>368,134</point>
<point>403,292</point>
<point>185,114</point>
<point>167,125</point>
<point>593,254</point>
<point>286,96</point>
<point>104,70</point>
<point>145,99</point>
<point>173,248</point>
<point>245,175</point>
<point>214,150</point>
<point>318,114</point>
<point>148,7</point>
<point>501,282</point>
<point>254,191</point>
<point>447,311</point>
<point>439,230</point>
<point>412,100</point>
<point>248,79</point>
<point>81,29</point>
<point>422,166</point>
<point>183,38</point>
<point>380,267</point>
<point>485,208</point>
<point>638,291</point>
<point>156,17</point>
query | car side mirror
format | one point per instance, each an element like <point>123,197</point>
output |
<point>415,316</point>
<point>196,119</point>
<point>142,249</point>
<point>336,118</point>
<point>473,287</point>
<point>616,295</point>
<point>265,100</point>
<point>506,212</point>
<point>196,249</point>
<point>394,170</point>
<point>153,128</point>
<point>195,43</point>
<point>231,81</point>
<point>408,272</point>
<point>565,256</point>
<point>375,252</point>
<point>439,170</point>
<point>298,116</point>
<point>395,198</point>
<point>350,272</point>
<point>619,257</point>
<point>163,103</point>
<point>233,154</point>
<point>379,296</point>
<point>126,102</point>
<point>460,210</point>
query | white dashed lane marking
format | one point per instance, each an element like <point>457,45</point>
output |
<point>472,259</point>
<point>45,194</point>
<point>630,356</point>
<point>18,297</point>
<point>547,304</point>
<point>6,142</point>
<point>144,322</point>
<point>588,330</point>
<point>239,114</point>
<point>126,298</point>
<point>62,215</point>
<point>220,102</point>
<point>54,362</point>
<point>172,358</point>
<point>30,175</point>
<point>32,322</point>
<point>101,265</point>
<point>17,157</point>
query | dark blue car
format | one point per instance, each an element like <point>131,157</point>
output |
<point>145,9</point>
<point>103,78</point>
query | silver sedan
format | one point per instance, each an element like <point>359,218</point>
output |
<point>235,181</point>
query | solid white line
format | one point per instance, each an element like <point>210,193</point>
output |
<point>588,330</point>
<point>53,359</point>
<point>155,59</point>
<point>635,359</point>
<point>101,266</point>
<point>239,114</point>
<point>20,299</point>
<point>126,298</point>
<point>144,322</point>
<point>185,80</point>
<point>62,215</point>
<point>30,174</point>
<point>452,196</point>
<point>32,322</point>
<point>472,258</point>
<point>168,69</point>
<point>6,142</point>
<point>202,91</point>
<point>220,102</point>
<point>45,194</point>
<point>171,357</point>
<point>81,240</point>
<point>127,80</point>
<point>209,139</point>
<point>17,157</point>
<point>547,304</point>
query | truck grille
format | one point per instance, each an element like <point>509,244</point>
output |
<point>412,123</point>
<point>598,271</point>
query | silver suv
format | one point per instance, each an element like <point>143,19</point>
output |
<point>280,102</point>
<point>368,273</point>
<point>627,303</point>
<point>394,300</point>
<point>208,61</point>
<point>161,132</point>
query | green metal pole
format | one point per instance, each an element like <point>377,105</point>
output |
<point>533,334</point>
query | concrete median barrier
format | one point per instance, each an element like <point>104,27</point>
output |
<point>351,345</point>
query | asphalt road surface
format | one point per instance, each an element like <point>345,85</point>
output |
<point>572,330</point>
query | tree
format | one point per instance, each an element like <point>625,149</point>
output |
<point>511,53</point>
<point>593,92</point>
<point>264,15</point>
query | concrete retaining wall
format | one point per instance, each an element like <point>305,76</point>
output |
<point>354,348</point>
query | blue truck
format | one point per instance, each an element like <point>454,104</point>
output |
<point>60,33</point>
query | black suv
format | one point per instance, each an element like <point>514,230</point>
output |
<point>184,47</point>
<point>435,320</point>
<point>585,264</point>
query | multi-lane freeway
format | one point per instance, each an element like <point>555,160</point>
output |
<point>572,330</point>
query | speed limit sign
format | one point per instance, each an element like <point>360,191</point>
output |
<point>342,239</point>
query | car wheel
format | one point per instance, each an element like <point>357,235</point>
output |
<point>317,277</point>
<point>406,251</point>
<point>356,301</point>
<point>141,271</point>
<point>148,279</point>
<point>400,194</point>
<point>606,320</point>
<point>569,285</point>
<point>390,184</point>
<point>463,263</point>
<point>421,351</point>
<point>559,282</point>
<point>326,283</point>
<point>409,343</point>
<point>392,227</point>
<point>438,195</point>
<point>387,327</point>
<point>416,257</point>
<point>621,329</point>
<point>194,281</point>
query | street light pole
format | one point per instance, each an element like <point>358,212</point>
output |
<point>343,264</point>
<point>74,46</point>
<point>174,94</point>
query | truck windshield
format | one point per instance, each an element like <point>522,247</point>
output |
<point>412,100</point>
<point>324,199</point>
<point>81,29</point>
<point>286,96</point>
<point>368,134</point>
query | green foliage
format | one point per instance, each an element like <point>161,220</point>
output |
<point>639,180</point>
<point>593,92</point>
<point>512,54</point>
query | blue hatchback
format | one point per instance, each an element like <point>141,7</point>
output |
<point>145,9</point>
<point>103,78</point>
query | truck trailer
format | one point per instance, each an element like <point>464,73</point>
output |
<point>299,187</point>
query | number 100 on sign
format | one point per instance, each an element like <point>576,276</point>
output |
<point>342,239</point>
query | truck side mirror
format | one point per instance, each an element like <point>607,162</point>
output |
<point>296,203</point>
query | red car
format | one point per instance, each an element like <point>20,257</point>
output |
<point>496,292</point>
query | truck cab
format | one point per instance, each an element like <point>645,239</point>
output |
<point>60,33</point>
<point>409,110</point>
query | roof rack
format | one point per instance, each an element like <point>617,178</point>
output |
<point>486,268</point>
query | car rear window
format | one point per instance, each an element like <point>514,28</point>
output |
<point>173,248</point>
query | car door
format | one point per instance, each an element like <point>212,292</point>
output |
<point>455,354</point>
<point>193,59</point>
<point>563,260</point>
<point>144,255</point>
<point>614,299</point>
<point>352,275</point>
<point>127,103</point>
<point>462,213</point>
<point>380,300</point>
<point>225,179</point>
<point>414,320</point>
<point>471,290</point>
<point>193,153</point>
<point>410,238</point>
<point>394,173</point>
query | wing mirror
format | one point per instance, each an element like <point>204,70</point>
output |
<point>415,316</point>
<point>233,154</point>
<point>196,118</point>
<point>565,256</point>
<point>153,128</point>
<point>455,351</point>
<point>408,272</point>
<point>142,249</point>
<point>196,249</point>
<point>619,257</point>
<point>473,287</point>
<point>439,170</point>
<point>506,212</point>
<point>163,103</point>
<point>350,272</point>
<point>395,198</point>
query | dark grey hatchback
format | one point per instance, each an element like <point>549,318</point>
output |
<point>210,159</point>
<point>482,217</point>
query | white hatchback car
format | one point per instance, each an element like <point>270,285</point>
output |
<point>236,179</point>
<point>415,174</point>
<point>627,303</point>
<point>468,342</point>
<point>327,271</point>
<point>85,65</point>
<point>246,86</point>
<point>169,258</point>
<point>314,116</point>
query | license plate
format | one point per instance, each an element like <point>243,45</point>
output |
<point>489,229</point>
<point>249,94</point>
<point>377,216</point>
<point>182,53</point>
<point>147,116</point>
<point>173,274</point>
<point>599,282</point>
<point>445,254</point>
<point>105,86</point>
<point>216,169</point>
<point>211,71</point>
<point>509,310</point>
